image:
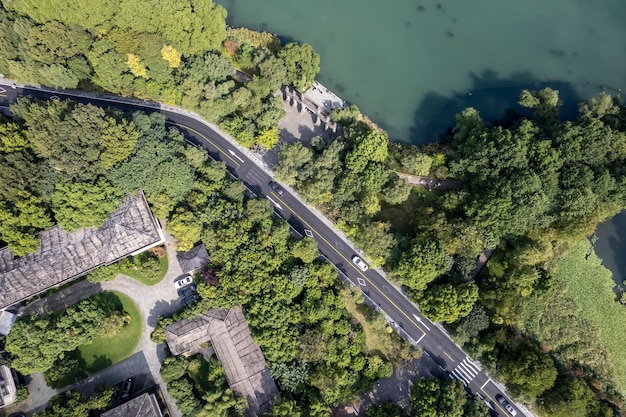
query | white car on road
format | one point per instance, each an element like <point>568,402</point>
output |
<point>360,263</point>
<point>183,281</point>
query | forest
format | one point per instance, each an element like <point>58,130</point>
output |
<point>180,52</point>
<point>295,303</point>
<point>532,186</point>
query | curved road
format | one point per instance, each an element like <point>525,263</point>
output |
<point>434,341</point>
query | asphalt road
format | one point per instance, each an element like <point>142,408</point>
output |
<point>433,340</point>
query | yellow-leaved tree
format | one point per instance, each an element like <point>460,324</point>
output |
<point>267,138</point>
<point>171,55</point>
<point>136,66</point>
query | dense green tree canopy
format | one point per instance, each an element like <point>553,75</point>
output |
<point>80,141</point>
<point>528,372</point>
<point>540,173</point>
<point>572,398</point>
<point>432,397</point>
<point>302,64</point>
<point>78,205</point>
<point>422,265</point>
<point>447,303</point>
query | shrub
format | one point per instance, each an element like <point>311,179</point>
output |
<point>104,273</point>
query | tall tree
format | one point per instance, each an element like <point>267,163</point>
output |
<point>528,371</point>
<point>78,205</point>
<point>420,266</point>
<point>302,63</point>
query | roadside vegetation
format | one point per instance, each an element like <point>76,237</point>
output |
<point>178,53</point>
<point>293,302</point>
<point>532,186</point>
<point>434,397</point>
<point>74,404</point>
<point>379,336</point>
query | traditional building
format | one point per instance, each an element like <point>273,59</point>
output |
<point>194,260</point>
<point>244,365</point>
<point>63,257</point>
<point>8,390</point>
<point>6,322</point>
<point>145,405</point>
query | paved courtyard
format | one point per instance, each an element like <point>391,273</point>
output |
<point>301,124</point>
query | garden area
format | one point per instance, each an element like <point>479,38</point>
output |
<point>105,350</point>
<point>200,387</point>
<point>101,350</point>
<point>83,339</point>
<point>148,267</point>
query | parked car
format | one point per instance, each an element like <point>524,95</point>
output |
<point>187,291</point>
<point>507,406</point>
<point>277,188</point>
<point>360,263</point>
<point>183,281</point>
<point>127,389</point>
<point>18,414</point>
<point>190,299</point>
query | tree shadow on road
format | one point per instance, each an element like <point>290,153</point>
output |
<point>163,308</point>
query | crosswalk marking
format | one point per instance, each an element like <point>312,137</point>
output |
<point>459,377</point>
<point>466,371</point>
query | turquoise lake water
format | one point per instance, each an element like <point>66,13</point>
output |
<point>408,64</point>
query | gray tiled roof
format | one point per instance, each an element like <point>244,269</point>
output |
<point>143,406</point>
<point>194,259</point>
<point>65,256</point>
<point>242,359</point>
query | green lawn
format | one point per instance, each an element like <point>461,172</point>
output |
<point>136,273</point>
<point>590,285</point>
<point>104,351</point>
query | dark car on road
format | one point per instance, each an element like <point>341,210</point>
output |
<point>277,188</point>
<point>190,299</point>
<point>127,389</point>
<point>187,291</point>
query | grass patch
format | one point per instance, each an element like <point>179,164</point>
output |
<point>379,336</point>
<point>145,268</point>
<point>119,347</point>
<point>103,351</point>
<point>590,285</point>
<point>402,216</point>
